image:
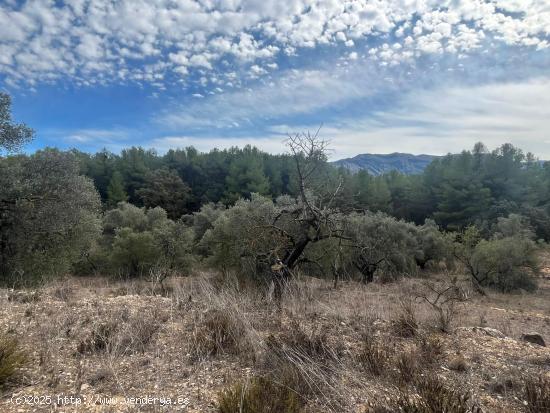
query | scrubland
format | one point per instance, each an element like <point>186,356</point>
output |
<point>221,345</point>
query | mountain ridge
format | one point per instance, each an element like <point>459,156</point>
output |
<point>378,164</point>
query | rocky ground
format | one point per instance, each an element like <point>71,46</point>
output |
<point>99,345</point>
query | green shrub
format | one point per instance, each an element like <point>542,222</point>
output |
<point>432,245</point>
<point>137,240</point>
<point>259,395</point>
<point>11,358</point>
<point>507,264</point>
<point>133,253</point>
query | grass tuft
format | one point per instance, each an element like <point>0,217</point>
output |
<point>259,395</point>
<point>537,394</point>
<point>374,357</point>
<point>12,358</point>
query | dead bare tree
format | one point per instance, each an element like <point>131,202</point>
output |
<point>313,217</point>
<point>442,298</point>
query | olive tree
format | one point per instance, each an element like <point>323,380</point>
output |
<point>49,215</point>
<point>506,262</point>
<point>379,243</point>
<point>432,245</point>
<point>135,240</point>
<point>514,225</point>
<point>241,237</point>
<point>271,238</point>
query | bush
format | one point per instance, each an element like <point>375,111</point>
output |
<point>458,363</point>
<point>133,253</point>
<point>407,365</point>
<point>121,334</point>
<point>435,397</point>
<point>430,349</point>
<point>405,325</point>
<point>260,395</point>
<point>11,358</point>
<point>507,264</point>
<point>432,245</point>
<point>302,345</point>
<point>136,240</point>
<point>99,339</point>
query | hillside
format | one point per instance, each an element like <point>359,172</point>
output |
<point>377,164</point>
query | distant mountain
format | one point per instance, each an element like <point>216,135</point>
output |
<point>405,163</point>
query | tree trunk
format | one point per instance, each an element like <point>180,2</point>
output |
<point>294,255</point>
<point>368,275</point>
<point>367,271</point>
<point>281,272</point>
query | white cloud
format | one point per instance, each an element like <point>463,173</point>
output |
<point>449,119</point>
<point>89,136</point>
<point>102,41</point>
<point>295,92</point>
<point>435,121</point>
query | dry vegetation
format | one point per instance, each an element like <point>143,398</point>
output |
<point>358,348</point>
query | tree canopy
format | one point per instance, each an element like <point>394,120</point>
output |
<point>12,135</point>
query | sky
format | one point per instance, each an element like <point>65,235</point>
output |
<point>380,76</point>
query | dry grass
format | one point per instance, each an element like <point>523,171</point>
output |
<point>217,333</point>
<point>324,350</point>
<point>374,357</point>
<point>406,325</point>
<point>537,394</point>
<point>458,363</point>
<point>407,366</point>
<point>12,358</point>
<point>428,395</point>
<point>259,395</point>
<point>121,333</point>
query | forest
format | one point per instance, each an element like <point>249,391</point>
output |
<point>473,187</point>
<point>264,216</point>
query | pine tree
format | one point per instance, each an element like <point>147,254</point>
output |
<point>115,191</point>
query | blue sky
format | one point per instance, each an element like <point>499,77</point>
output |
<point>380,76</point>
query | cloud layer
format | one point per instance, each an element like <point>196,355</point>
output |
<point>381,75</point>
<point>435,121</point>
<point>225,42</point>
